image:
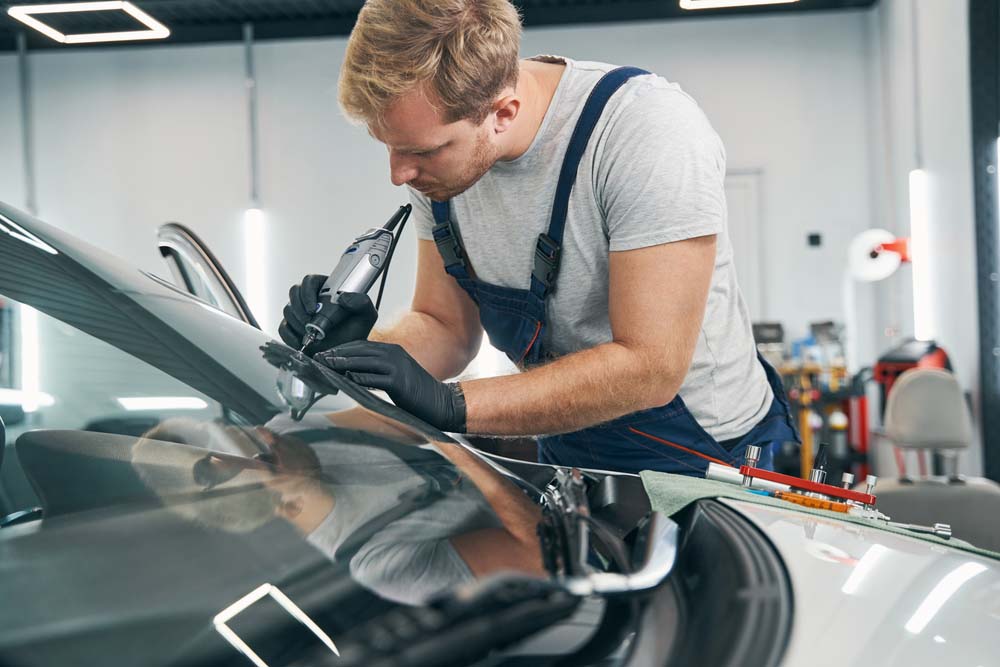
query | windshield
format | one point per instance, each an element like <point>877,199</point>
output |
<point>146,438</point>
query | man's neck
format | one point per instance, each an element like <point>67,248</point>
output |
<point>537,83</point>
<point>317,503</point>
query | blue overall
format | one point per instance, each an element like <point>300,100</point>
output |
<point>666,438</point>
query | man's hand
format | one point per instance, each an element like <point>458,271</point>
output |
<point>353,320</point>
<point>390,368</point>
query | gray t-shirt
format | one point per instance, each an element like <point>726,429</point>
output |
<point>653,173</point>
<point>410,559</point>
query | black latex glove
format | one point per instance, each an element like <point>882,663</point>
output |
<point>391,369</point>
<point>353,320</point>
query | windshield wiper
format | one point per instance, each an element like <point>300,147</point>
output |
<point>325,381</point>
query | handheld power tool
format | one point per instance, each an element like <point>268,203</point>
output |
<point>359,267</point>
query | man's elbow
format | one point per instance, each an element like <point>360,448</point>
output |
<point>658,396</point>
<point>461,341</point>
<point>661,382</point>
<point>472,344</point>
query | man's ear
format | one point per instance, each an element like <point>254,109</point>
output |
<point>505,110</point>
<point>289,508</point>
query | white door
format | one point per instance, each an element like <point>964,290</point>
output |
<point>746,234</point>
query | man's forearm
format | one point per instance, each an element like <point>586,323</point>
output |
<point>516,512</point>
<point>435,345</point>
<point>571,393</point>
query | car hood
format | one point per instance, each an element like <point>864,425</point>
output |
<point>868,596</point>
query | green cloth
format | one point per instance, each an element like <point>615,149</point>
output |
<point>670,494</point>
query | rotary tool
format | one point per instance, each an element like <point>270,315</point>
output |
<point>359,267</point>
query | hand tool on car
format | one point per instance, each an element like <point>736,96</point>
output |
<point>942,530</point>
<point>365,259</point>
<point>815,487</point>
<point>815,492</point>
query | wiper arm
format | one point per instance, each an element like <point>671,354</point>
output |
<point>566,534</point>
<point>324,380</point>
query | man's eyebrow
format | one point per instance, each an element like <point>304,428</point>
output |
<point>419,149</point>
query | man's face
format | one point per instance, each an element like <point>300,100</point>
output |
<point>437,158</point>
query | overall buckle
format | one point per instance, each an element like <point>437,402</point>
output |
<point>546,268</point>
<point>448,245</point>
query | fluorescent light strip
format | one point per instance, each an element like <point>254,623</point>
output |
<point>722,4</point>
<point>156,30</point>
<point>30,359</point>
<point>864,569</point>
<point>943,592</point>
<point>923,305</point>
<point>222,619</point>
<point>22,398</point>
<point>255,258</point>
<point>132,403</point>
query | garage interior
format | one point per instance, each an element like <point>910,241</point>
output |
<point>855,116</point>
<point>862,190</point>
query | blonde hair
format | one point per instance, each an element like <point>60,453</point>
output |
<point>464,51</point>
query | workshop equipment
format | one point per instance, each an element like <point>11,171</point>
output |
<point>731,475</point>
<point>830,403</point>
<point>814,492</point>
<point>911,354</point>
<point>873,255</point>
<point>942,530</point>
<point>814,487</point>
<point>359,267</point>
<point>928,415</point>
<point>770,340</point>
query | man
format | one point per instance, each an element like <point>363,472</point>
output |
<point>574,211</point>
<point>409,522</point>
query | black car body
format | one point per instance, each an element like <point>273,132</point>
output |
<point>195,522</point>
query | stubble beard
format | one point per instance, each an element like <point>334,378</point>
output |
<point>484,156</point>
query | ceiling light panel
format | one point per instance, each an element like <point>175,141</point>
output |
<point>26,14</point>
<point>723,4</point>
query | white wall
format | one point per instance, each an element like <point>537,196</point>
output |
<point>129,138</point>
<point>942,106</point>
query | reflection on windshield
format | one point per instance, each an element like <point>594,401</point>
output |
<point>347,512</point>
<point>407,519</point>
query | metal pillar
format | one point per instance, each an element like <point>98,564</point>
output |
<point>984,68</point>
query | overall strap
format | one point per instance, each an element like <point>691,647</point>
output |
<point>449,241</point>
<point>549,245</point>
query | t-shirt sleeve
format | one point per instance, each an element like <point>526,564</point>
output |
<point>422,216</point>
<point>410,572</point>
<point>660,171</point>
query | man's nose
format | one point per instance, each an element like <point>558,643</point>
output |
<point>401,170</point>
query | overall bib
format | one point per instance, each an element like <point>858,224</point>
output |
<point>666,438</point>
